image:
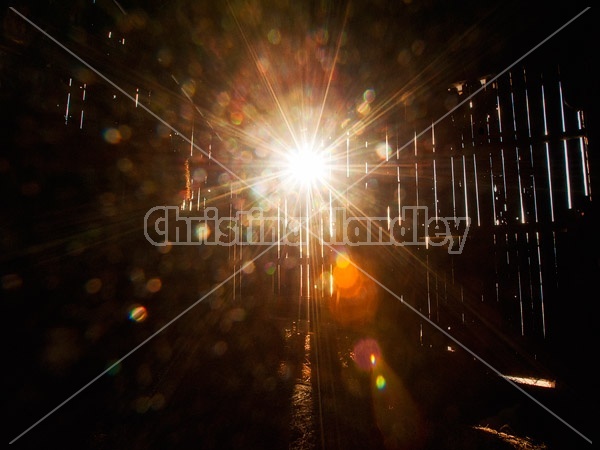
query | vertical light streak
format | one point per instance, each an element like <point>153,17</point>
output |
<point>308,287</point>
<point>428,289</point>
<point>415,144</point>
<point>68,101</point>
<point>465,186</point>
<point>331,280</point>
<point>565,147</point>
<point>417,184</point>
<point>397,143</point>
<point>188,180</point>
<point>278,245</point>
<point>321,236</point>
<point>273,284</point>
<point>234,270</point>
<point>472,126</point>
<point>307,233</point>
<point>512,102</point>
<point>496,268</point>
<point>487,124</point>
<point>534,198</point>
<point>535,208</point>
<point>520,186</point>
<point>539,260</point>
<point>514,117</point>
<point>389,219</point>
<point>285,215</point>
<point>547,145</point>
<point>301,287</point>
<point>585,172</point>
<point>228,229</point>
<point>518,268</point>
<point>504,180</point>
<point>521,304</point>
<point>453,190</point>
<point>192,141</point>
<point>399,206</point>
<point>501,148</point>
<point>499,112</point>
<point>435,199</point>
<point>416,174</point>
<point>82,101</point>
<point>241,249</point>
<point>330,215</point>
<point>387,153</point>
<point>476,190</point>
<point>493,186</point>
<point>300,236</point>
<point>137,96</point>
<point>278,231</point>
<point>529,272</point>
<point>347,155</point>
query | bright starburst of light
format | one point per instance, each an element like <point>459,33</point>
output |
<point>306,167</point>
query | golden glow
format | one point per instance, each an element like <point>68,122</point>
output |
<point>530,381</point>
<point>345,277</point>
<point>342,260</point>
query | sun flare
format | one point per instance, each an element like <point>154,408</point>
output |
<point>306,167</point>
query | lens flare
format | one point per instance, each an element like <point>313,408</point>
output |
<point>138,314</point>
<point>380,382</point>
<point>306,167</point>
<point>366,353</point>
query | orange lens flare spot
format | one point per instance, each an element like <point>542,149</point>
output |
<point>153,285</point>
<point>345,277</point>
<point>342,260</point>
